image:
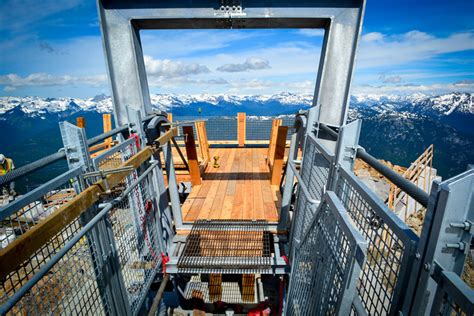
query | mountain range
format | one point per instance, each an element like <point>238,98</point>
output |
<point>395,128</point>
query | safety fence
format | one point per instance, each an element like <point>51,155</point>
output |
<point>327,263</point>
<point>452,296</point>
<point>227,129</point>
<point>315,175</point>
<point>391,245</point>
<point>104,258</point>
<point>25,214</point>
<point>386,280</point>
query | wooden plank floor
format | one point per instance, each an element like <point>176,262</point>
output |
<point>239,189</point>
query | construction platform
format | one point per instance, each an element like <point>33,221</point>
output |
<point>239,189</point>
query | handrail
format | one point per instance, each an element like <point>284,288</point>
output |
<point>37,193</point>
<point>45,161</point>
<point>24,246</point>
<point>301,183</point>
<point>411,189</point>
<point>5,307</point>
<point>397,225</point>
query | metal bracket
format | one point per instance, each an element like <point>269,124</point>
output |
<point>102,174</point>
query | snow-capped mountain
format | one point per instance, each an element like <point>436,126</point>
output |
<point>416,104</point>
<point>419,103</point>
<point>394,128</point>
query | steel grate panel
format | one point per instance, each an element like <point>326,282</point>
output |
<point>321,268</point>
<point>314,173</point>
<point>379,278</point>
<point>224,246</point>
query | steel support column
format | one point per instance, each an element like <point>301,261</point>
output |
<point>121,22</point>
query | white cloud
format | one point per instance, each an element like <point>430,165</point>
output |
<point>379,50</point>
<point>252,63</point>
<point>13,81</point>
<point>168,68</point>
<point>311,32</point>
<point>405,89</point>
<point>372,37</point>
<point>390,79</point>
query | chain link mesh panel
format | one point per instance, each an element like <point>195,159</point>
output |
<point>257,128</point>
<point>453,297</point>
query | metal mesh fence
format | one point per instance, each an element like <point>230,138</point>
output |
<point>314,173</point>
<point>224,128</point>
<point>324,261</point>
<point>69,288</point>
<point>25,213</point>
<point>388,248</point>
<point>452,295</point>
<point>258,129</point>
<point>127,236</point>
<point>137,233</point>
<point>115,156</point>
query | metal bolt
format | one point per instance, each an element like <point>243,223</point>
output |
<point>466,225</point>
<point>427,266</point>
<point>417,256</point>
<point>460,245</point>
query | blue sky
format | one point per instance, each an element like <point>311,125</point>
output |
<point>53,48</point>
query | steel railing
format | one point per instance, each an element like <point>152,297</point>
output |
<point>125,236</point>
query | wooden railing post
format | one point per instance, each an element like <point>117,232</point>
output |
<point>81,122</point>
<point>273,137</point>
<point>202,140</point>
<point>170,117</point>
<point>280,145</point>
<point>191,153</point>
<point>107,124</point>
<point>241,120</point>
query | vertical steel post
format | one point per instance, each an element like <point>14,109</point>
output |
<point>173,186</point>
<point>446,237</point>
<point>101,247</point>
<point>163,202</point>
<point>288,186</point>
<point>346,148</point>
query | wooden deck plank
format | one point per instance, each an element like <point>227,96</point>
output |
<point>210,209</point>
<point>248,202</point>
<point>199,195</point>
<point>239,189</point>
<point>259,212</point>
<point>226,166</point>
<point>213,178</point>
<point>238,206</point>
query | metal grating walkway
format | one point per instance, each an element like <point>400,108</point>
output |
<point>227,246</point>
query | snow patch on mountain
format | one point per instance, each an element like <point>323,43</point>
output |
<point>415,103</point>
